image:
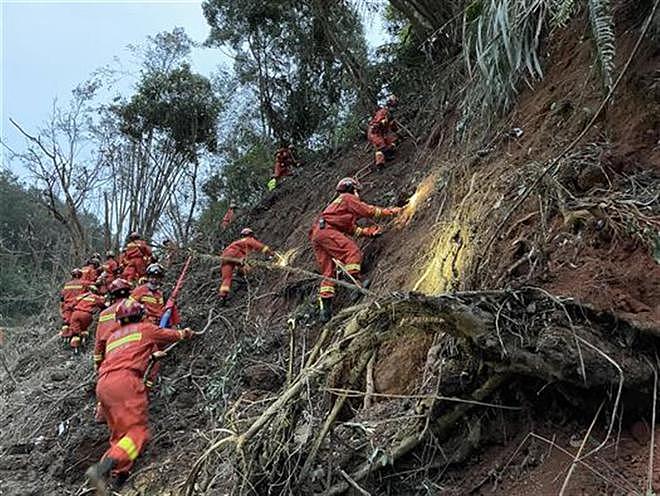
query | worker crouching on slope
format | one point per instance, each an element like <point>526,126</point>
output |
<point>121,391</point>
<point>91,270</point>
<point>136,257</point>
<point>68,295</point>
<point>234,256</point>
<point>149,293</point>
<point>331,237</point>
<point>83,313</point>
<point>382,132</point>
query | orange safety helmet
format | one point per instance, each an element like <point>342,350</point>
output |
<point>118,285</point>
<point>129,310</point>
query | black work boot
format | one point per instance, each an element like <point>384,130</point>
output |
<point>97,474</point>
<point>325,309</point>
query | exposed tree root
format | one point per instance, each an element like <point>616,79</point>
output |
<point>491,336</point>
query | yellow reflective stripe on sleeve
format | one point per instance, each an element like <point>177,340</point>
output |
<point>74,286</point>
<point>336,201</point>
<point>265,249</point>
<point>127,444</point>
<point>150,299</point>
<point>136,336</point>
<point>352,267</point>
<point>378,212</point>
<point>327,289</point>
<point>98,358</point>
<point>107,317</point>
<point>358,231</point>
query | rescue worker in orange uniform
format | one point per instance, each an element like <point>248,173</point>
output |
<point>90,272</point>
<point>234,256</point>
<point>169,251</point>
<point>71,290</point>
<point>136,257</point>
<point>110,267</point>
<point>331,237</point>
<point>121,390</point>
<point>382,132</point>
<point>118,291</point>
<point>229,216</point>
<point>83,314</point>
<point>150,295</point>
<point>284,162</point>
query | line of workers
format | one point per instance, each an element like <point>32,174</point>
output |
<point>127,292</point>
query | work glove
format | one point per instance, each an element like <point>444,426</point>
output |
<point>370,231</point>
<point>391,212</point>
<point>187,333</point>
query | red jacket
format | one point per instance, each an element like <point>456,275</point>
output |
<point>137,250</point>
<point>344,212</point>
<point>111,268</point>
<point>130,346</point>
<point>243,247</point>
<point>106,326</point>
<point>89,274</point>
<point>71,290</point>
<point>228,218</point>
<point>152,301</point>
<point>382,121</point>
<point>88,302</point>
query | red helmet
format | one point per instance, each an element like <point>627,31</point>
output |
<point>246,231</point>
<point>118,285</point>
<point>155,270</point>
<point>348,185</point>
<point>76,273</point>
<point>129,309</point>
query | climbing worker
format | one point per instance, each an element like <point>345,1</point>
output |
<point>137,255</point>
<point>229,216</point>
<point>284,161</point>
<point>234,256</point>
<point>90,271</point>
<point>118,291</point>
<point>331,237</point>
<point>149,293</point>
<point>382,132</point>
<point>110,267</point>
<point>81,317</point>
<point>70,291</point>
<point>122,393</point>
<point>169,251</point>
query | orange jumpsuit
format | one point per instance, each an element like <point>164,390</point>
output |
<point>381,134</point>
<point>110,269</point>
<point>152,300</point>
<point>71,290</point>
<point>238,249</point>
<point>120,389</point>
<point>228,218</point>
<point>137,255</point>
<point>89,274</point>
<point>333,241</point>
<point>283,162</point>
<point>107,324</point>
<point>83,313</point>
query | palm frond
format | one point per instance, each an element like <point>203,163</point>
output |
<point>602,27</point>
<point>562,11</point>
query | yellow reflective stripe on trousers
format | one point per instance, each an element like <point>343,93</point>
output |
<point>127,444</point>
<point>224,288</point>
<point>136,336</point>
<point>352,267</point>
<point>265,249</point>
<point>106,317</point>
<point>327,289</point>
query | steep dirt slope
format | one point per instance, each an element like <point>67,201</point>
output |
<point>584,233</point>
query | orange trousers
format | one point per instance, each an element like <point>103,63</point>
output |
<point>78,326</point>
<point>227,271</point>
<point>383,143</point>
<point>124,402</point>
<point>330,245</point>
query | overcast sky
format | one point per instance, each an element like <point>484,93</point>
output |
<point>49,46</point>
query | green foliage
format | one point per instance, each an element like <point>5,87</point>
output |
<point>178,103</point>
<point>602,27</point>
<point>303,59</point>
<point>35,249</point>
